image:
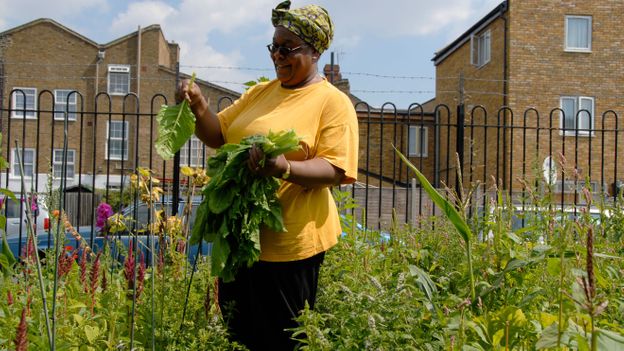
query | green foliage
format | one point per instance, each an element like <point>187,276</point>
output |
<point>251,83</point>
<point>237,202</point>
<point>450,212</point>
<point>176,125</point>
<point>409,292</point>
<point>116,199</point>
<point>7,260</point>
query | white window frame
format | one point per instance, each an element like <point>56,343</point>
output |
<point>414,137</point>
<point>589,34</point>
<point>61,104</point>
<point>481,48</point>
<point>578,101</point>
<point>58,161</point>
<point>196,153</point>
<point>15,168</point>
<point>118,69</point>
<point>18,111</point>
<point>123,139</point>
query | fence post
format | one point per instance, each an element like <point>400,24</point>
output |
<point>460,147</point>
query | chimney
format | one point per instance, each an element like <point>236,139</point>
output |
<point>327,70</point>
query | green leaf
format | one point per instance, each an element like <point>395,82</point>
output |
<point>6,251</point>
<point>447,208</point>
<point>91,333</point>
<point>608,340</point>
<point>219,256</point>
<point>425,284</point>
<point>9,193</point>
<point>176,125</point>
<point>549,337</point>
<point>4,262</point>
<point>553,266</point>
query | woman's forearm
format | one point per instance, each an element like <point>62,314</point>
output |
<point>207,126</point>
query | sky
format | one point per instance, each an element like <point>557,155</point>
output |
<point>384,48</point>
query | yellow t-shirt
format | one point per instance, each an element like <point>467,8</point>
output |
<point>325,119</point>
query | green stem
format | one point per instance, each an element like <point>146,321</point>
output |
<point>594,336</point>
<point>470,270</point>
<point>33,236</point>
<point>561,279</point>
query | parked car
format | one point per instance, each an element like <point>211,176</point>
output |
<point>97,240</point>
<point>16,219</point>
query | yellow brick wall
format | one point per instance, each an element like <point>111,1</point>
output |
<point>483,92</point>
<point>539,72</point>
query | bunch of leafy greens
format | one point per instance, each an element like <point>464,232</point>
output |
<point>237,203</point>
<point>176,125</point>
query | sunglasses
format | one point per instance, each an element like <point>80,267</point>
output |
<point>283,51</point>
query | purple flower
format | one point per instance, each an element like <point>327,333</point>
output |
<point>104,211</point>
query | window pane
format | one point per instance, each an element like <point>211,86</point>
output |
<point>119,82</point>
<point>417,141</point>
<point>24,101</point>
<point>584,116</point>
<point>568,105</point>
<point>28,157</point>
<point>578,33</point>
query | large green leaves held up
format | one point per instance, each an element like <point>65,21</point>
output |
<point>176,125</point>
<point>237,203</point>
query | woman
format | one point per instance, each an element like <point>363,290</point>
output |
<point>264,300</point>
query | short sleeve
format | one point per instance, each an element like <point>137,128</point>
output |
<point>338,136</point>
<point>227,116</point>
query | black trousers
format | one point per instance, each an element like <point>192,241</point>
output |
<point>263,300</point>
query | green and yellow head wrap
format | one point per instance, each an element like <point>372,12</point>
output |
<point>311,23</point>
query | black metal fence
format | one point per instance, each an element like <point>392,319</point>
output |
<point>95,151</point>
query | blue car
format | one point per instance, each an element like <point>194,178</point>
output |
<point>119,242</point>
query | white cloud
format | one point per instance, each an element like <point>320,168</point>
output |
<point>194,24</point>
<point>140,13</point>
<point>396,18</point>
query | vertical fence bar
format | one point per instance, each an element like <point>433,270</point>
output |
<point>459,148</point>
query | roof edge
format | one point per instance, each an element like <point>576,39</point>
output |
<point>50,21</point>
<point>130,35</point>
<point>497,12</point>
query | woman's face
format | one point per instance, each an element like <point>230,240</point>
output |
<point>298,67</point>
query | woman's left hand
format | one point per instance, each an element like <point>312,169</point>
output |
<point>274,167</point>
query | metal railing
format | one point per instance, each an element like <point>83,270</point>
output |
<point>496,151</point>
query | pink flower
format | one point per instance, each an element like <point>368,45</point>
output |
<point>104,211</point>
<point>21,339</point>
<point>33,206</point>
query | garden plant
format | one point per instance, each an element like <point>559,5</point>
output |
<point>445,282</point>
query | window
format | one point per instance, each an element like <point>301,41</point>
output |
<point>118,79</point>
<point>57,164</point>
<point>577,115</point>
<point>191,154</point>
<point>480,49</point>
<point>30,102</point>
<point>62,104</point>
<point>117,140</point>
<point>27,158</point>
<point>578,34</point>
<point>418,141</point>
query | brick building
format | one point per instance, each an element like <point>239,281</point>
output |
<point>118,84</point>
<point>549,63</point>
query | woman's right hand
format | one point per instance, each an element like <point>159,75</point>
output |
<point>191,93</point>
